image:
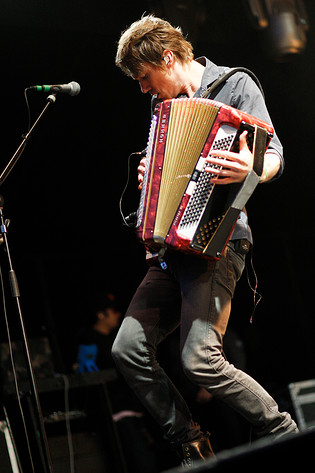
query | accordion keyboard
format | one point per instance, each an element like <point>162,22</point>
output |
<point>200,188</point>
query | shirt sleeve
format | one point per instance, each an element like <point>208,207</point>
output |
<point>247,97</point>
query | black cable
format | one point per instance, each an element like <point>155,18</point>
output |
<point>28,109</point>
<point>128,220</point>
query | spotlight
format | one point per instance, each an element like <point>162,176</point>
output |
<point>284,24</point>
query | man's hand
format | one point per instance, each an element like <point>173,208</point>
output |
<point>141,169</point>
<point>231,167</point>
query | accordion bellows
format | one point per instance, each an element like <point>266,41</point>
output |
<point>179,206</point>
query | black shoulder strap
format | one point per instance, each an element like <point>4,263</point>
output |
<point>218,84</point>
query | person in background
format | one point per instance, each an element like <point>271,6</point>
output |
<point>96,342</point>
<point>94,354</point>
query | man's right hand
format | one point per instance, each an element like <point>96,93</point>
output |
<point>141,169</point>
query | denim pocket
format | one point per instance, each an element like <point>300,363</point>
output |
<point>229,270</point>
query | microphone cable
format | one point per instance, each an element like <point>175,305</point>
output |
<point>28,110</point>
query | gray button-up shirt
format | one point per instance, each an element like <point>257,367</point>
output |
<point>241,92</point>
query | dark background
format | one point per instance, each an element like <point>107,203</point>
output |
<point>66,237</point>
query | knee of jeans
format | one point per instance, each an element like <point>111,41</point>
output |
<point>128,355</point>
<point>202,368</point>
<point>121,352</point>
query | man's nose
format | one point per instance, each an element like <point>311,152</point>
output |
<point>144,87</point>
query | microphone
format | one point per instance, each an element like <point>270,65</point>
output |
<point>73,88</point>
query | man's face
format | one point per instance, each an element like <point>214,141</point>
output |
<point>158,81</point>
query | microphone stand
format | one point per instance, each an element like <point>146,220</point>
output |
<point>50,99</point>
<point>44,453</point>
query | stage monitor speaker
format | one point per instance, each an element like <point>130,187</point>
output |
<point>290,453</point>
<point>303,400</point>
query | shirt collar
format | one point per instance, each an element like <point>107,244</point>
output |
<point>211,73</point>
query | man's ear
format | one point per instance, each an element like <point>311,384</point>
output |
<point>101,314</point>
<point>168,57</point>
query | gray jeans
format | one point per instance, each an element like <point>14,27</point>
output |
<point>195,293</point>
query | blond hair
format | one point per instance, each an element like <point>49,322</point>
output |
<point>146,40</point>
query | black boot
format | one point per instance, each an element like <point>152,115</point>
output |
<point>195,451</point>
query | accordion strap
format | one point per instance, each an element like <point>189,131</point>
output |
<point>224,77</point>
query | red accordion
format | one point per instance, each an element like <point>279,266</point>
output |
<point>179,207</point>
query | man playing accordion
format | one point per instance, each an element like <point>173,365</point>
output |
<point>189,290</point>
